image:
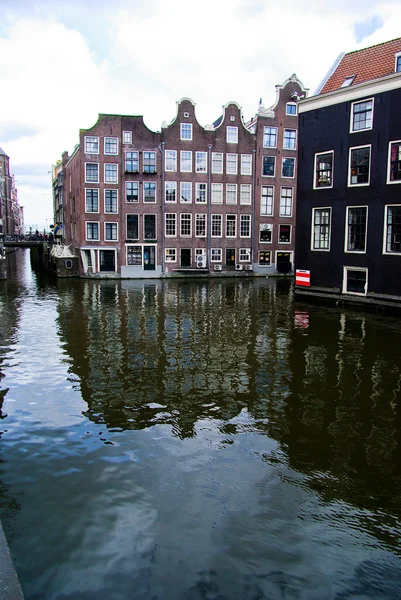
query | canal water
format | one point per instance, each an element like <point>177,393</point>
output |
<point>206,439</point>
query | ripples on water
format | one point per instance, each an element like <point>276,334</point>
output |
<point>191,440</point>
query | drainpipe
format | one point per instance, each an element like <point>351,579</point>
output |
<point>253,207</point>
<point>161,149</point>
<point>209,209</point>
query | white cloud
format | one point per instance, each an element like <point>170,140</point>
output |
<point>61,68</point>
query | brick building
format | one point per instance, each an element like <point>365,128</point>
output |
<point>188,199</point>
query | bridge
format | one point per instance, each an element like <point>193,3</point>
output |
<point>27,241</point>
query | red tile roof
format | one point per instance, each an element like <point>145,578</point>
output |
<point>367,64</point>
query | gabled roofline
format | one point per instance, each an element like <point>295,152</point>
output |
<point>329,73</point>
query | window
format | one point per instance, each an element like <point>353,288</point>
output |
<point>244,254</point>
<point>149,162</point>
<point>266,202</point>
<point>269,166</point>
<point>132,227</point>
<point>246,164</point>
<point>131,191</point>
<point>288,167</point>
<point>361,115</point>
<point>186,161</point>
<point>245,226</point>
<point>393,229</point>
<point>127,137</point>
<point>217,225</point>
<point>216,255</point>
<point>217,193</point>
<point>185,225</point>
<point>200,193</point>
<point>110,201</point>
<point>356,229</point>
<point>171,225</point>
<point>91,144</point>
<point>231,193</point>
<point>171,255</point>
<point>355,281</point>
<point>231,226</point>
<point>200,225</point>
<point>110,232</point>
<point>266,233</point>
<point>92,231</point>
<point>134,256</point>
<point>111,145</point>
<point>264,258</point>
<point>359,166</point>
<point>284,234</point>
<point>171,191</point>
<point>185,193</point>
<point>398,63</point>
<point>149,227</point>
<point>171,160</point>
<point>270,137</point>
<point>323,170</point>
<point>217,162</point>
<point>91,173</point>
<point>348,81</point>
<point>232,164</point>
<point>131,162</point>
<point>394,162</point>
<point>92,201</point>
<point>290,139</point>
<point>321,225</point>
<point>286,201</point>
<point>291,108</point>
<point>186,131</point>
<point>149,191</point>
<point>201,162</point>
<point>246,193</point>
<point>110,173</point>
<point>232,134</point>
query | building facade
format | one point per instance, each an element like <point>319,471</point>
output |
<point>216,199</point>
<point>349,170</point>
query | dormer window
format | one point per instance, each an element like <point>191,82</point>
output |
<point>348,81</point>
<point>398,62</point>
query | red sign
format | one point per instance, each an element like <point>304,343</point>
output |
<point>302,277</point>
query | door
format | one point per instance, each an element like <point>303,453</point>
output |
<point>230,257</point>
<point>107,260</point>
<point>185,257</point>
<point>149,258</point>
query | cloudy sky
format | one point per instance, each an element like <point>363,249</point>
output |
<point>63,63</point>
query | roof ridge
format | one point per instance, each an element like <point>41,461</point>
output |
<point>373,46</point>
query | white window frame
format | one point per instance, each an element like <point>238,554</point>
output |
<point>219,157</point>
<point>197,188</point>
<point>396,57</point>
<point>323,187</point>
<point>170,235</point>
<point>232,161</point>
<point>270,214</point>
<point>268,134</point>
<point>349,165</point>
<point>386,207</point>
<point>104,200</point>
<point>231,132</point>
<point>291,114</point>
<point>168,253</point>
<point>353,104</point>
<point>266,227</point>
<point>172,158</point>
<point>246,164</point>
<point>143,192</point>
<point>290,147</point>
<point>200,157</point>
<point>244,255</point>
<point>216,255</point>
<point>186,235</point>
<point>148,214</point>
<point>391,182</point>
<point>189,183</point>
<point>151,167</point>
<point>86,231</point>
<point>275,165</point>
<point>110,137</point>
<point>86,180</point>
<point>347,208</point>
<point>126,195</point>
<point>92,212</point>
<point>249,219</point>
<point>278,233</point>
<point>344,288</point>
<point>312,243</point>
<point>137,215</point>
<point>231,237</point>
<point>219,218</point>
<point>213,193</point>
<point>172,183</point>
<point>105,227</point>
<point>91,137</point>
<point>282,167</point>
<point>234,191</point>
<point>186,152</point>
<point>186,127</point>
<point>126,159</point>
<point>286,187</point>
<point>243,199</point>
<point>111,165</point>
<point>200,217</point>
<point>127,137</point>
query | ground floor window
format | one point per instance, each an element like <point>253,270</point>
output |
<point>171,255</point>
<point>264,258</point>
<point>134,255</point>
<point>216,254</point>
<point>355,281</point>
